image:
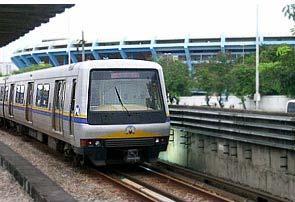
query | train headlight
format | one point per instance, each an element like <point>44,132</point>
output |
<point>157,140</point>
<point>90,143</point>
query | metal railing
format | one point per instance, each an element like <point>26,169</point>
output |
<point>263,128</point>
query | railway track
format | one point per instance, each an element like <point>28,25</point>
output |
<point>151,185</point>
<point>137,191</point>
<point>243,193</point>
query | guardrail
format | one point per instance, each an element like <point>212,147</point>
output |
<point>263,128</point>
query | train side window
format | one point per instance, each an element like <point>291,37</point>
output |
<point>45,95</point>
<point>291,107</point>
<point>17,93</point>
<point>20,93</point>
<point>73,96</point>
<point>39,94</point>
<point>6,93</point>
<point>1,93</point>
<point>42,95</point>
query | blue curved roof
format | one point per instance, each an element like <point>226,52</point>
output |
<point>190,50</point>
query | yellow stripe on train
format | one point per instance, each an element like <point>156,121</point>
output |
<point>123,134</point>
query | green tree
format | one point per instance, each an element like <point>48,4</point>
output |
<point>268,54</point>
<point>287,60</point>
<point>286,55</point>
<point>212,77</point>
<point>32,68</point>
<point>242,84</point>
<point>271,75</point>
<point>248,59</point>
<point>177,78</point>
<point>289,11</point>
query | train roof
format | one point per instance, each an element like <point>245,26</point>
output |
<point>73,69</point>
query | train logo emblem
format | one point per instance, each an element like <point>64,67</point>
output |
<point>130,130</point>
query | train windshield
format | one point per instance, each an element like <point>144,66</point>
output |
<point>125,91</point>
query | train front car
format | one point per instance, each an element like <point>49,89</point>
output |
<point>127,113</point>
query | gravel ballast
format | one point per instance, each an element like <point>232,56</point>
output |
<point>10,190</point>
<point>82,184</point>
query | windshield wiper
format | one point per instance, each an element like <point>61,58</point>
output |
<point>120,100</point>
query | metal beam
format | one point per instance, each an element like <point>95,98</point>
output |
<point>222,43</point>
<point>153,51</point>
<point>17,62</point>
<point>73,57</point>
<point>25,60</point>
<point>69,53</point>
<point>53,59</point>
<point>122,52</point>
<point>36,58</point>
<point>187,55</point>
<point>95,53</point>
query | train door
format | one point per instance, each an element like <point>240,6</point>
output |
<point>2,96</point>
<point>29,101</point>
<point>10,101</point>
<point>58,105</point>
<point>72,106</point>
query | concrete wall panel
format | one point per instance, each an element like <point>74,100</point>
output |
<point>260,167</point>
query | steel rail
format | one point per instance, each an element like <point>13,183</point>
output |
<point>127,187</point>
<point>157,190</point>
<point>194,187</point>
<point>234,188</point>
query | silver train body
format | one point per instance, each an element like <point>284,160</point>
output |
<point>108,110</point>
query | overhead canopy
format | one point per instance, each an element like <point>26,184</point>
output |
<point>18,19</point>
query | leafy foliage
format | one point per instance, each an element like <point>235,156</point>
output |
<point>289,11</point>
<point>32,68</point>
<point>268,54</point>
<point>287,76</point>
<point>213,76</point>
<point>286,55</point>
<point>177,79</point>
<point>270,78</point>
<point>242,79</point>
<point>276,70</point>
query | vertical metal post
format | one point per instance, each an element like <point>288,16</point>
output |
<point>69,36</point>
<point>83,46</point>
<point>257,95</point>
<point>6,69</point>
<point>243,53</point>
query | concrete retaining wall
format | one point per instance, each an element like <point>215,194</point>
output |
<point>262,167</point>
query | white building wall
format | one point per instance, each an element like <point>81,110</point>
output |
<point>7,68</point>
<point>274,103</point>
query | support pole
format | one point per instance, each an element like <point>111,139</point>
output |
<point>83,47</point>
<point>257,94</point>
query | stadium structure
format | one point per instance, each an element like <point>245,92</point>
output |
<point>189,50</point>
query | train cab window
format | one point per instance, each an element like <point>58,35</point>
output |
<point>20,93</point>
<point>42,95</point>
<point>125,96</point>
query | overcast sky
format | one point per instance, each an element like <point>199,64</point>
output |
<point>108,20</point>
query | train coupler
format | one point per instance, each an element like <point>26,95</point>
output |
<point>132,156</point>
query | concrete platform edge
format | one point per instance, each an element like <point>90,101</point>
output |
<point>40,187</point>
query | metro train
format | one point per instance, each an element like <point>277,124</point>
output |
<point>108,111</point>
